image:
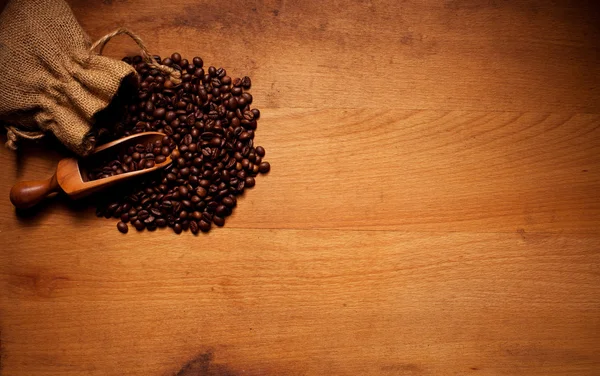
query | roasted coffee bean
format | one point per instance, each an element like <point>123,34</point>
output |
<point>185,224</point>
<point>183,191</point>
<point>221,210</point>
<point>177,228</point>
<point>219,221</point>
<point>197,62</point>
<point>204,225</point>
<point>227,201</point>
<point>248,99</point>
<point>194,228</point>
<point>264,167</point>
<point>246,82</point>
<point>209,129</point>
<point>122,227</point>
<point>143,214</point>
<point>138,225</point>
<point>201,191</point>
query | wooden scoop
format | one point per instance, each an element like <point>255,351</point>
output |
<point>70,178</point>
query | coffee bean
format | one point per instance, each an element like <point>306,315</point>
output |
<point>194,228</point>
<point>138,225</point>
<point>227,201</point>
<point>264,167</point>
<point>204,225</point>
<point>183,191</point>
<point>221,210</point>
<point>177,228</point>
<point>143,214</point>
<point>219,221</point>
<point>209,130</point>
<point>248,99</point>
<point>122,227</point>
<point>246,82</point>
<point>185,224</point>
<point>201,191</point>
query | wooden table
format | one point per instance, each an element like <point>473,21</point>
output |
<point>433,206</point>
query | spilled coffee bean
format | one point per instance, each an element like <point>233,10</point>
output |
<point>208,117</point>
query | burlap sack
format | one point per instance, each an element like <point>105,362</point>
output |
<point>50,80</point>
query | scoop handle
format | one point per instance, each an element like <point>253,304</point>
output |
<point>26,194</point>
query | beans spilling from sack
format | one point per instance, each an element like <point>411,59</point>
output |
<point>209,117</point>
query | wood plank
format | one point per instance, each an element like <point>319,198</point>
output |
<point>298,302</point>
<point>432,207</point>
<point>450,55</point>
<point>407,170</point>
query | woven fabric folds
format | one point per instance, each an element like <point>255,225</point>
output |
<point>51,81</point>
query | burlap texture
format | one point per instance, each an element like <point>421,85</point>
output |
<point>49,79</point>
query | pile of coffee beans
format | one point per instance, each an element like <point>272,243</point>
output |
<point>208,116</point>
<point>138,157</point>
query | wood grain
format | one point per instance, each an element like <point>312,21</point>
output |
<point>270,302</point>
<point>441,55</point>
<point>432,207</point>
